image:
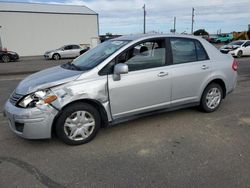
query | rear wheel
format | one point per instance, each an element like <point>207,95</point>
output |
<point>239,54</point>
<point>78,124</point>
<point>5,58</point>
<point>211,98</point>
<point>56,56</point>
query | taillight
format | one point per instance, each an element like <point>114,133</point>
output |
<point>235,65</point>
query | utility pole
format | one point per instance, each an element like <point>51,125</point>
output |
<point>1,47</point>
<point>174,24</point>
<point>144,21</point>
<point>192,27</point>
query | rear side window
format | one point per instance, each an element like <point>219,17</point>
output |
<point>187,50</point>
<point>201,54</point>
<point>76,47</point>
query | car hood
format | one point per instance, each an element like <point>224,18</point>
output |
<point>45,79</point>
<point>49,51</point>
<point>229,46</point>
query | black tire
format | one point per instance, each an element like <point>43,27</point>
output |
<point>67,113</point>
<point>218,41</point>
<point>204,101</point>
<point>56,56</point>
<point>239,54</point>
<point>5,59</point>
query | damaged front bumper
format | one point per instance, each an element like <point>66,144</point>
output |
<point>30,123</point>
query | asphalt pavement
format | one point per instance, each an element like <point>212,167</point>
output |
<point>28,65</point>
<point>184,148</point>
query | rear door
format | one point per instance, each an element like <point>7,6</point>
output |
<point>67,52</point>
<point>147,86</point>
<point>76,50</point>
<point>190,69</point>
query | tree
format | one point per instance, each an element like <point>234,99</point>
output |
<point>201,32</point>
<point>109,34</point>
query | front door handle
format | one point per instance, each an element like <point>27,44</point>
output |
<point>162,74</point>
<point>204,67</point>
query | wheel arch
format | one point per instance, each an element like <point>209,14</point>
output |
<point>55,54</point>
<point>220,82</point>
<point>94,103</point>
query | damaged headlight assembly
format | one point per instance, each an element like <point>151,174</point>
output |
<point>37,98</point>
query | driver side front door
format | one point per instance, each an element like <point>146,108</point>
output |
<point>147,85</point>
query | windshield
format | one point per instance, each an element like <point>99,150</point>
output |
<point>98,54</point>
<point>236,43</point>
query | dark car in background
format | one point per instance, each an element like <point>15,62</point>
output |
<point>7,56</point>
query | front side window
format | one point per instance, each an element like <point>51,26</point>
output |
<point>187,50</point>
<point>68,47</point>
<point>144,55</point>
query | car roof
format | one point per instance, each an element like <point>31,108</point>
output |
<point>71,44</point>
<point>133,37</point>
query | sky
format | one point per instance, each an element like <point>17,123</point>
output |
<point>126,16</point>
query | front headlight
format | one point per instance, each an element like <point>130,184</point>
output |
<point>39,97</point>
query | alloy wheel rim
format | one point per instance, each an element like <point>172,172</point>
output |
<point>79,125</point>
<point>6,59</point>
<point>56,57</point>
<point>213,98</point>
<point>239,53</point>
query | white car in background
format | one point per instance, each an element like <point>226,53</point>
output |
<point>66,51</point>
<point>237,48</point>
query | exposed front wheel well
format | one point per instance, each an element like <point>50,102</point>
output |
<point>94,103</point>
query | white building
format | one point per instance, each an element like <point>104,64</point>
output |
<point>31,29</point>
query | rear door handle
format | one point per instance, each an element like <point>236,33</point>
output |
<point>204,67</point>
<point>162,74</point>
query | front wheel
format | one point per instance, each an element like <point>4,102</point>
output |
<point>78,124</point>
<point>239,54</point>
<point>211,98</point>
<point>5,58</point>
<point>56,56</point>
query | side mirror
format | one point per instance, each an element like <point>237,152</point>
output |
<point>120,68</point>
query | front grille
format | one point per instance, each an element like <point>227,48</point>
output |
<point>14,98</point>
